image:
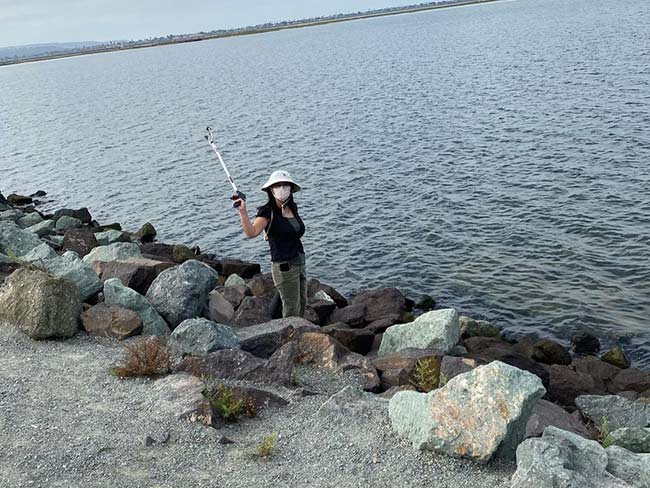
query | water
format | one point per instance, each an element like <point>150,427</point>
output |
<point>494,156</point>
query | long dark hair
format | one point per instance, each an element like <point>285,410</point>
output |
<point>277,210</point>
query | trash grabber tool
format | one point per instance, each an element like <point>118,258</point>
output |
<point>210,138</point>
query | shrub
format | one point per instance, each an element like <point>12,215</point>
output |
<point>426,376</point>
<point>265,449</point>
<point>605,438</point>
<point>230,406</point>
<point>147,356</point>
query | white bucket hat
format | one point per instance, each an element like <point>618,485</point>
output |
<point>280,177</point>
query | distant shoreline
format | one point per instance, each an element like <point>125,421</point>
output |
<point>243,32</point>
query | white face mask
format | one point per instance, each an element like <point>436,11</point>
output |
<point>281,192</point>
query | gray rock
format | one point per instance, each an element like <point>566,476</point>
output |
<point>220,309</point>
<point>66,222</point>
<point>264,339</point>
<point>438,329</point>
<point>561,459</point>
<point>235,280</point>
<point>200,337</point>
<point>181,395</point>
<point>115,293</point>
<point>81,214</point>
<point>353,403</point>
<point>29,220</point>
<point>548,414</point>
<point>120,251</point>
<point>110,236</point>
<point>70,267</point>
<point>452,366</point>
<point>635,439</point>
<point>619,412</point>
<point>42,229</point>
<point>476,415</point>
<point>39,255</point>
<point>253,310</point>
<point>321,295</point>
<point>40,305</point>
<point>15,241</point>
<point>633,469</point>
<point>181,292</point>
<point>470,327</point>
<point>12,215</point>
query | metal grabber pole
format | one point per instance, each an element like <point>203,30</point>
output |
<point>210,138</point>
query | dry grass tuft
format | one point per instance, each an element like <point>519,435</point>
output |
<point>147,356</point>
<point>266,448</point>
<point>426,376</point>
<point>229,405</point>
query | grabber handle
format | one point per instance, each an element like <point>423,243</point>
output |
<point>236,197</point>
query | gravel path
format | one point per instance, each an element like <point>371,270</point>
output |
<point>65,422</point>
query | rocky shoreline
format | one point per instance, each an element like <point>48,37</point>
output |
<point>445,383</point>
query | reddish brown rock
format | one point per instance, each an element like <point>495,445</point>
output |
<point>380,326</point>
<point>452,366</point>
<point>381,302</point>
<point>547,413</point>
<point>603,373</point>
<point>234,294</point>
<point>111,321</point>
<point>353,315</point>
<point>135,273</point>
<point>631,379</point>
<point>242,268</point>
<point>262,285</point>
<point>314,286</point>
<point>253,310</point>
<point>356,340</point>
<point>325,351</point>
<point>397,369</point>
<point>478,343</point>
<point>566,384</point>
<point>320,311</point>
<point>235,364</point>
<point>81,240</point>
<point>264,339</point>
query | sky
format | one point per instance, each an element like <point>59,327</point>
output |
<point>44,21</point>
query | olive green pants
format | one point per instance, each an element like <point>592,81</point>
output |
<point>292,286</point>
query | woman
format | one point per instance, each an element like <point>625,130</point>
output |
<point>283,228</point>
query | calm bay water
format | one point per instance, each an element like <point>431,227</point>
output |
<point>495,156</point>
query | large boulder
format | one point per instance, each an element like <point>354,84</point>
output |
<point>119,251</point>
<point>602,373</point>
<point>81,214</point>
<point>382,302</point>
<point>354,315</point>
<point>181,395</point>
<point>544,351</point>
<point>565,460</point>
<point>200,337</point>
<point>42,229</point>
<point>326,352</point>
<point>452,366</point>
<point>314,286</point>
<point>633,469</point>
<point>631,380</point>
<point>41,305</point>
<point>242,268</point>
<point>476,415</point>
<point>15,241</point>
<point>29,219</point>
<point>136,273</point>
<point>261,285</point>
<point>398,368</point>
<point>65,222</point>
<point>264,339</point>
<point>617,357</point>
<point>235,364</point>
<point>219,308</point>
<point>111,321</point>
<point>617,411</point>
<point>504,353</point>
<point>356,340</point>
<point>635,439</point>
<point>110,236</point>
<point>585,343</point>
<point>70,267</point>
<point>181,292</point>
<point>546,414</point>
<point>470,327</point>
<point>565,384</point>
<point>115,293</point>
<point>438,329</point>
<point>253,310</point>
<point>81,241</point>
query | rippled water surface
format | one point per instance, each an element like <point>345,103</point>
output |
<point>494,156</point>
